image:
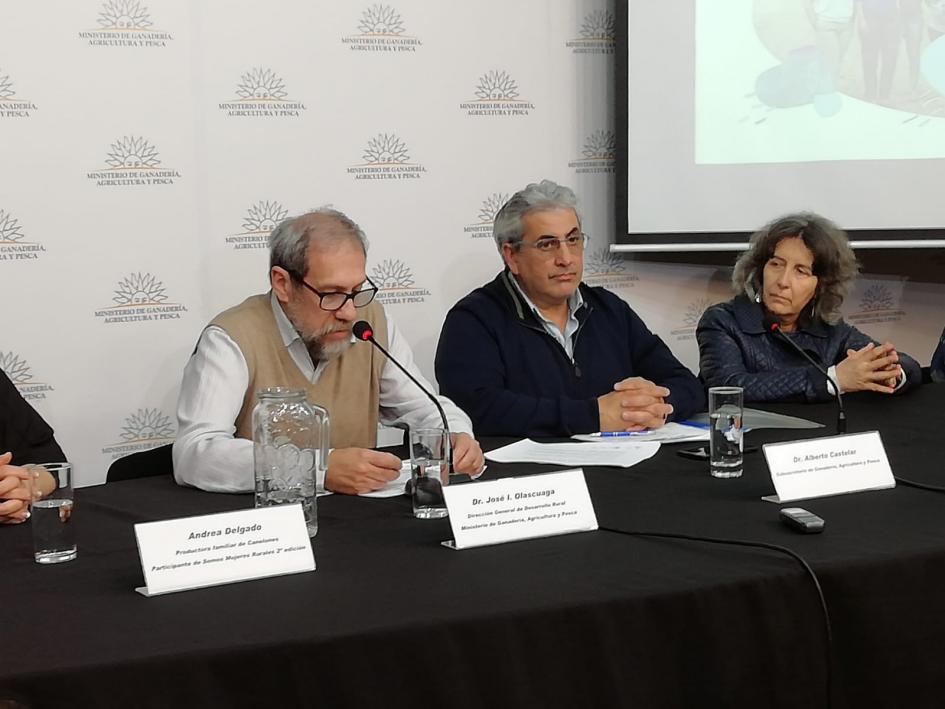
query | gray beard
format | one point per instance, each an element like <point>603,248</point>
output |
<point>321,352</point>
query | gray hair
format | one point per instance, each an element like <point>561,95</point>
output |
<point>290,240</point>
<point>835,263</point>
<point>537,197</point>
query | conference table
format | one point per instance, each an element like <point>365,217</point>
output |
<point>609,618</point>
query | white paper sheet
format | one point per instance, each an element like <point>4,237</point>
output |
<point>398,486</point>
<point>622,454</point>
<point>669,433</point>
<point>395,487</point>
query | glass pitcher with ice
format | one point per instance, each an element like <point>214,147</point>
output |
<point>290,447</point>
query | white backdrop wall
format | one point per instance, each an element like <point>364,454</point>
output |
<point>148,147</point>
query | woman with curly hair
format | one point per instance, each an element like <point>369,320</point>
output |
<point>795,273</point>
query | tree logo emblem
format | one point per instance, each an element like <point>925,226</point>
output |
<point>6,88</point>
<point>147,425</point>
<point>124,15</point>
<point>600,145</point>
<point>132,153</point>
<point>261,84</point>
<point>385,149</point>
<point>597,35</point>
<point>496,86</point>
<point>381,20</point>
<point>15,368</point>
<point>10,231</point>
<point>877,297</point>
<point>263,217</point>
<point>392,274</point>
<point>491,206</point>
<point>139,289</point>
<point>603,262</point>
<point>598,155</point>
<point>599,24</point>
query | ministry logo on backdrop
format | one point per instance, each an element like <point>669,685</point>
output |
<point>258,223</point>
<point>686,330</point>
<point>11,105</point>
<point>125,23</point>
<point>21,375</point>
<point>143,430</point>
<point>381,29</point>
<point>396,283</point>
<point>140,298</point>
<point>598,34</point>
<point>599,154</point>
<point>260,92</point>
<point>13,243</point>
<point>386,158</point>
<point>497,95</point>
<point>608,270</point>
<point>878,304</point>
<point>133,161</point>
<point>482,229</point>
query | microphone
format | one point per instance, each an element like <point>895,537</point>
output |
<point>363,331</point>
<point>773,326</point>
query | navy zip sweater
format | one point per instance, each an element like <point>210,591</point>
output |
<point>497,362</point>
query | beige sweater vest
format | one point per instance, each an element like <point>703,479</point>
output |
<point>348,388</point>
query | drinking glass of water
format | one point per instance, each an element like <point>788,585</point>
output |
<point>429,471</point>
<point>725,427</point>
<point>51,519</point>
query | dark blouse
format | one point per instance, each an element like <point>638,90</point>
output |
<point>23,431</point>
<point>735,349</point>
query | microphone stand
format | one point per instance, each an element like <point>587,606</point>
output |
<point>774,327</point>
<point>362,330</point>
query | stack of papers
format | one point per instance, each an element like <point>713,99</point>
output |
<point>623,453</point>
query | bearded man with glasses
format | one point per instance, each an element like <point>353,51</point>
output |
<point>536,352</point>
<point>299,336</point>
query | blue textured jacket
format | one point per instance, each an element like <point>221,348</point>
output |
<point>938,361</point>
<point>496,361</point>
<point>735,350</point>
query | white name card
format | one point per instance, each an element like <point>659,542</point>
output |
<point>210,550</point>
<point>834,465</point>
<point>511,509</point>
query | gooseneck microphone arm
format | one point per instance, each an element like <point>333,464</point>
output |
<point>363,331</point>
<point>773,326</point>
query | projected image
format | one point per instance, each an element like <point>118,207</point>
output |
<point>812,80</point>
<point>888,52</point>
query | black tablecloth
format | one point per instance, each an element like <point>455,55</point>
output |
<point>391,618</point>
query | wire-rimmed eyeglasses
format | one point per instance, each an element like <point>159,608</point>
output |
<point>549,245</point>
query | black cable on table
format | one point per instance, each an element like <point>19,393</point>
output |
<point>920,486</point>
<point>828,632</point>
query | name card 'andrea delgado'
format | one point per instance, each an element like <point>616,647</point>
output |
<point>193,552</point>
<point>510,509</point>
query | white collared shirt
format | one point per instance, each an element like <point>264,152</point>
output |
<point>206,453</point>
<point>565,339</point>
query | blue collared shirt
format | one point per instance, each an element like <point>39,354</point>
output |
<point>565,339</point>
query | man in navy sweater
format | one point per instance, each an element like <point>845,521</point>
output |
<point>538,353</point>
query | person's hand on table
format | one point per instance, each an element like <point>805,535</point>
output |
<point>355,470</point>
<point>635,404</point>
<point>16,490</point>
<point>467,455</point>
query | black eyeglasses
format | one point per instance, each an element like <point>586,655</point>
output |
<point>336,301</point>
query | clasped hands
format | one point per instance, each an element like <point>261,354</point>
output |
<point>871,368</point>
<point>19,486</point>
<point>355,470</point>
<point>635,404</point>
